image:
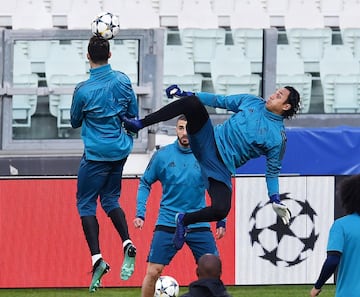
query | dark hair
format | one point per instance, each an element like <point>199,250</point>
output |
<point>99,49</point>
<point>294,101</point>
<point>350,194</point>
<point>181,118</point>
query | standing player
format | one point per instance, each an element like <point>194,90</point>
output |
<point>97,106</point>
<point>256,128</point>
<point>183,190</point>
<point>343,247</point>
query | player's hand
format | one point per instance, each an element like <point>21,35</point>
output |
<point>282,211</point>
<point>220,232</point>
<point>174,90</point>
<point>138,223</point>
<point>314,292</point>
<point>280,208</point>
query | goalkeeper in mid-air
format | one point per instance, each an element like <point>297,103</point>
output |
<point>256,128</point>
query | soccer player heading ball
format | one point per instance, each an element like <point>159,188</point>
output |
<point>256,128</point>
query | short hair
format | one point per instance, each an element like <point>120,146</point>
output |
<point>294,101</point>
<point>181,117</point>
<point>99,49</point>
<point>349,190</point>
<point>209,266</point>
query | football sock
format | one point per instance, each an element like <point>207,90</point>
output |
<point>91,230</point>
<point>118,219</point>
<point>95,258</point>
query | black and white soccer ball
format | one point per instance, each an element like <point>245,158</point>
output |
<point>105,25</point>
<point>166,286</point>
<point>284,245</point>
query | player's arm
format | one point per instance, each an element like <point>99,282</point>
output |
<point>327,270</point>
<point>273,166</point>
<point>146,181</point>
<point>76,110</point>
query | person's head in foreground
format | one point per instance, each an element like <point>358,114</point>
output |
<point>350,194</point>
<point>209,266</point>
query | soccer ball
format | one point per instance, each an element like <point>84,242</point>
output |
<point>105,25</point>
<point>166,286</point>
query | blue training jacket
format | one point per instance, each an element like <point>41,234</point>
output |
<point>96,106</point>
<point>183,188</point>
<point>250,132</point>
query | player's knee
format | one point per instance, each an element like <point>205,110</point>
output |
<point>154,271</point>
<point>193,102</point>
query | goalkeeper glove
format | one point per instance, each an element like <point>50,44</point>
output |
<point>281,210</point>
<point>131,124</point>
<point>174,90</point>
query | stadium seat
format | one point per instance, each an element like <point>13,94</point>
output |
<point>223,9</point>
<point>330,11</point>
<point>168,12</point>
<point>249,14</point>
<point>340,77</point>
<point>65,67</point>
<point>24,106</point>
<point>251,42</point>
<point>197,14</point>
<point>306,32</point>
<point>200,46</point>
<point>82,12</point>
<point>122,60</point>
<point>31,14</point>
<point>137,14</point>
<point>276,9</point>
<point>290,72</point>
<point>179,69</point>
<point>350,27</point>
<point>231,72</point>
<point>59,10</point>
<point>7,11</point>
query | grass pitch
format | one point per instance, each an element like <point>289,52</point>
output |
<point>235,291</point>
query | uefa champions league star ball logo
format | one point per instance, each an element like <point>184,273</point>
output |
<point>280,244</point>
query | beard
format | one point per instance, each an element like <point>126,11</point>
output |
<point>184,141</point>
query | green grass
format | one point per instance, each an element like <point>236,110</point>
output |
<point>236,291</point>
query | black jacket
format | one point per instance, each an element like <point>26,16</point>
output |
<point>208,287</point>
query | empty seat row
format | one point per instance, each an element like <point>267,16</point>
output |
<point>41,14</point>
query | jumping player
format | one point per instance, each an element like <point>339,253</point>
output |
<point>256,128</point>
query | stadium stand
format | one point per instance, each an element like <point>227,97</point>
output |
<point>340,76</point>
<point>24,106</point>
<point>31,14</point>
<point>290,71</point>
<point>233,76</point>
<point>65,67</point>
<point>197,14</point>
<point>306,32</point>
<point>200,46</point>
<point>179,69</point>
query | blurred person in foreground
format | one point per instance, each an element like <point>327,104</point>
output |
<point>97,106</point>
<point>256,128</point>
<point>343,248</point>
<point>183,189</point>
<point>209,283</point>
